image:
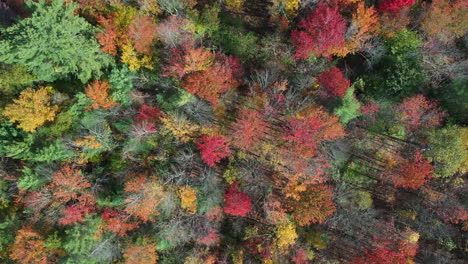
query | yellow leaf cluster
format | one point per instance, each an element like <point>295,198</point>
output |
<point>88,142</point>
<point>135,61</point>
<point>180,128</point>
<point>150,7</point>
<point>188,198</point>
<point>235,5</point>
<point>32,109</point>
<point>285,236</point>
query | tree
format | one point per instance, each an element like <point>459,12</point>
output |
<point>313,205</point>
<point>13,78</point>
<point>68,184</point>
<point>188,198</point>
<point>381,255</point>
<point>285,236</point>
<point>365,25</point>
<point>236,202</point>
<point>448,150</point>
<point>445,20</point>
<point>211,83</point>
<point>321,32</point>
<point>142,197</point>
<point>133,59</point>
<point>417,112</point>
<point>213,149</point>
<point>174,31</point>
<point>248,129</point>
<point>29,247</point>
<point>142,253</point>
<point>32,109</point>
<point>142,32</point>
<point>118,221</point>
<point>72,48</point>
<point>192,60</point>
<point>305,132</point>
<point>394,6</point>
<point>412,174</point>
<point>349,108</point>
<point>148,114</point>
<point>334,82</point>
<point>98,92</point>
<point>75,213</point>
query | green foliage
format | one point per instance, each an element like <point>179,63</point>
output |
<point>399,74</point>
<point>356,174</point>
<point>447,150</point>
<point>62,124</point>
<point>53,241</point>
<point>13,78</point>
<point>80,241</point>
<point>404,42</point>
<point>121,84</point>
<point>7,234</point>
<point>54,43</point>
<point>170,102</point>
<point>234,42</point>
<point>207,23</point>
<point>78,108</point>
<point>31,180</point>
<point>54,152</point>
<point>454,99</point>
<point>349,107</point>
<point>363,199</point>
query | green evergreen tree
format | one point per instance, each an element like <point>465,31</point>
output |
<point>54,43</point>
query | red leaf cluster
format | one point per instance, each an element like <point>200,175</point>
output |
<point>414,173</point>
<point>236,202</point>
<point>321,32</point>
<point>417,112</point>
<point>142,32</point>
<point>213,149</point>
<point>334,82</point>
<point>249,128</point>
<point>75,213</point>
<point>394,6</point>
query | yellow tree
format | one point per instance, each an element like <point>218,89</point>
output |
<point>188,198</point>
<point>32,109</point>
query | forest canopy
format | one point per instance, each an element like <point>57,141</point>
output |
<point>233,131</point>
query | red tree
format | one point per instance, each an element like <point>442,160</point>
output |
<point>148,114</point>
<point>248,129</point>
<point>381,255</point>
<point>75,213</point>
<point>394,6</point>
<point>412,174</point>
<point>416,112</point>
<point>334,82</point>
<point>321,32</point>
<point>236,202</point>
<point>142,32</point>
<point>213,149</point>
<point>118,221</point>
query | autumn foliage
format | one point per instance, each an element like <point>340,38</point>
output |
<point>393,6</point>
<point>321,33</point>
<point>98,92</point>
<point>413,173</point>
<point>213,149</point>
<point>236,202</point>
<point>334,82</point>
<point>32,109</point>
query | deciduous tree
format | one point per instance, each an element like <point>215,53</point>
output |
<point>213,149</point>
<point>32,109</point>
<point>236,202</point>
<point>321,32</point>
<point>142,32</point>
<point>249,128</point>
<point>394,6</point>
<point>334,82</point>
<point>98,92</point>
<point>29,247</point>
